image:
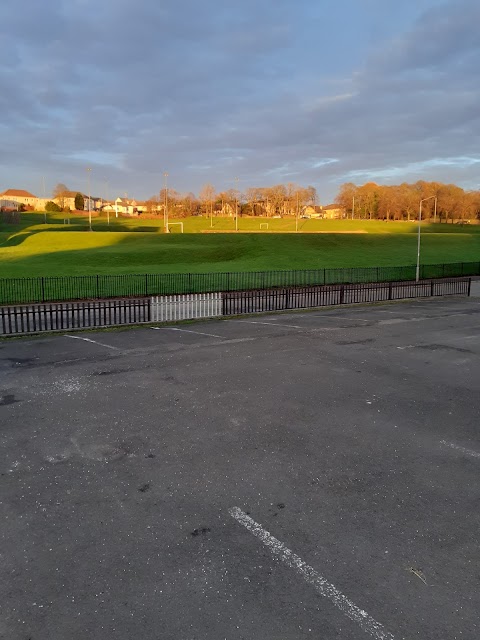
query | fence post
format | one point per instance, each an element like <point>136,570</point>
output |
<point>342,293</point>
<point>432,288</point>
<point>146,284</point>
<point>98,287</point>
<point>43,289</point>
<point>390,287</point>
<point>469,286</point>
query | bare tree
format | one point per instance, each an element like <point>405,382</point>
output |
<point>207,196</point>
<point>59,194</point>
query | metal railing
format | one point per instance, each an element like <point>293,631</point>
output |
<point>239,302</point>
<point>63,288</point>
<point>61,316</point>
<point>38,318</point>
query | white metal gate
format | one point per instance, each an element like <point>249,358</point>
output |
<point>186,307</point>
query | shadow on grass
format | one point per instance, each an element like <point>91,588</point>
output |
<point>184,253</point>
<point>19,236</point>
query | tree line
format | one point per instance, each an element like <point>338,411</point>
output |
<point>441,202</point>
<point>279,199</point>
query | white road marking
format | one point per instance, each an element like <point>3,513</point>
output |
<point>467,452</point>
<point>273,324</point>
<point>320,584</point>
<point>408,346</point>
<point>109,346</point>
<point>200,333</point>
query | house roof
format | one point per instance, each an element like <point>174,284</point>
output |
<point>19,193</point>
<point>332,206</point>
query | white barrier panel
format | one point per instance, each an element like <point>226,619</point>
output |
<point>186,307</point>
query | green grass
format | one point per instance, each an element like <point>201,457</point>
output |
<point>133,245</point>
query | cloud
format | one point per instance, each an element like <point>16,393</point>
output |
<point>264,91</point>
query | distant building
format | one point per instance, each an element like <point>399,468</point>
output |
<point>333,211</point>
<point>312,211</point>
<point>66,200</point>
<point>20,196</point>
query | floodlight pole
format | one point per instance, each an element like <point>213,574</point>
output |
<point>108,202</point>
<point>236,204</point>
<point>89,171</point>
<point>296,216</point>
<point>417,273</point>
<point>165,208</point>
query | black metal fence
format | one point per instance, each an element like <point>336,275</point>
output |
<point>67,316</point>
<point>60,288</point>
<point>22,319</point>
<point>239,302</point>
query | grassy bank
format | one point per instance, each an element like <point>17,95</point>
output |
<point>138,246</point>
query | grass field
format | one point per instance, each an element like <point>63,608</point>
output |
<point>132,245</point>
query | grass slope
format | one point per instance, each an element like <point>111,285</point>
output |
<point>65,250</point>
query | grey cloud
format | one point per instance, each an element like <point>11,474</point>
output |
<point>213,90</point>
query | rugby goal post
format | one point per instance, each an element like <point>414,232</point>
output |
<point>172,224</point>
<point>264,225</point>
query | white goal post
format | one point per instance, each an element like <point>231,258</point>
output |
<point>171,224</point>
<point>264,225</point>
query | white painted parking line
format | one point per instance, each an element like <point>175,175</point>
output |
<point>312,577</point>
<point>200,333</point>
<point>467,452</point>
<point>273,324</point>
<point>101,344</point>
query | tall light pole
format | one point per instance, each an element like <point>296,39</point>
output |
<point>108,202</point>
<point>165,207</point>
<point>236,204</point>
<point>296,217</point>
<point>417,273</point>
<point>353,207</point>
<point>89,171</point>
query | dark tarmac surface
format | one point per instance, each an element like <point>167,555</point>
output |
<point>352,435</point>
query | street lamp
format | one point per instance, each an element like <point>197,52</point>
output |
<point>108,202</point>
<point>236,204</point>
<point>165,209</point>
<point>89,171</point>
<point>417,274</point>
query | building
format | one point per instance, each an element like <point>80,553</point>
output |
<point>20,196</point>
<point>333,211</point>
<point>66,200</point>
<point>124,206</point>
<point>312,211</point>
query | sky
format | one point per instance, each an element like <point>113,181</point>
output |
<point>315,92</point>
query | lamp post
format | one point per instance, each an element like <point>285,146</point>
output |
<point>417,273</point>
<point>89,171</point>
<point>296,217</point>
<point>108,202</point>
<point>236,204</point>
<point>165,208</point>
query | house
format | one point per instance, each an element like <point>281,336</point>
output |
<point>126,207</point>
<point>66,199</point>
<point>312,211</point>
<point>20,196</point>
<point>333,211</point>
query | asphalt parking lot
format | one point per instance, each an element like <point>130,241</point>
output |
<point>277,477</point>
